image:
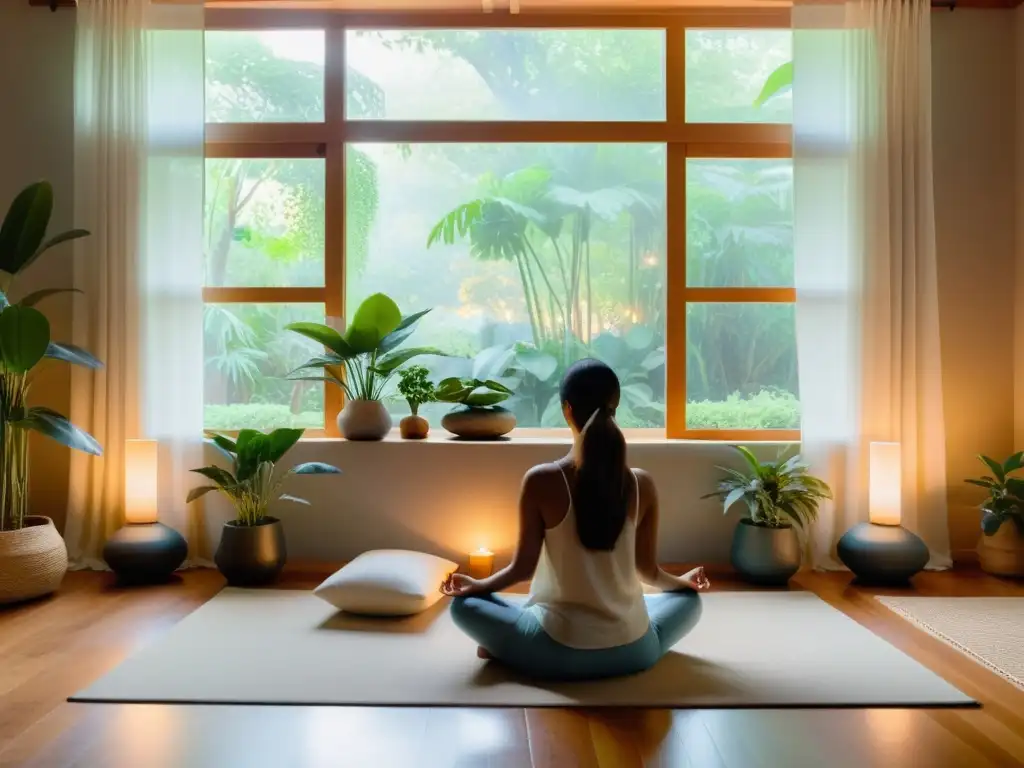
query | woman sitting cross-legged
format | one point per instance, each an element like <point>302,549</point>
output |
<point>588,538</point>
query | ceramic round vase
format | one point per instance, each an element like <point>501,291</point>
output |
<point>471,423</point>
<point>413,428</point>
<point>251,555</point>
<point>1002,553</point>
<point>33,560</point>
<point>364,420</point>
<point>765,556</point>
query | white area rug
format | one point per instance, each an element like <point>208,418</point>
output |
<point>751,649</point>
<point>988,629</point>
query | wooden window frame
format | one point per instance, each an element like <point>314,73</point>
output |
<point>327,140</point>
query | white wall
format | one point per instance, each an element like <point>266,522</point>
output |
<point>36,142</point>
<point>451,497</point>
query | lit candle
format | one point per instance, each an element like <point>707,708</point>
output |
<point>884,483</point>
<point>481,563</point>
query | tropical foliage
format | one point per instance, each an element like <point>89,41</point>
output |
<point>1005,499</point>
<point>475,393</point>
<point>776,493</point>
<point>368,352</point>
<point>24,344</point>
<point>555,252</point>
<point>252,483</point>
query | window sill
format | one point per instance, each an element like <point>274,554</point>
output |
<point>555,437</point>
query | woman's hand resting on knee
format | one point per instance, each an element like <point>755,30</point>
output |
<point>695,579</point>
<point>461,585</point>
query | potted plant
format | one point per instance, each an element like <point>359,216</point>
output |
<point>477,414</point>
<point>414,385</point>
<point>362,361</point>
<point>780,496</point>
<point>33,558</point>
<point>252,546</point>
<point>1001,549</point>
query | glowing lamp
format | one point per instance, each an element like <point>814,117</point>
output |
<point>481,563</point>
<point>140,480</point>
<point>885,483</point>
<point>882,551</point>
<point>144,551</point>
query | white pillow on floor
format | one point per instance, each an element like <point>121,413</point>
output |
<point>387,582</point>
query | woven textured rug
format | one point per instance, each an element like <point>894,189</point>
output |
<point>750,649</point>
<point>988,629</point>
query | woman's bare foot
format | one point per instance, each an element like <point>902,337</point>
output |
<point>483,653</point>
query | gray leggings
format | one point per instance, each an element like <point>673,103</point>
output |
<point>516,638</point>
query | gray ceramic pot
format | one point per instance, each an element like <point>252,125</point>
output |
<point>471,423</point>
<point>364,420</point>
<point>251,555</point>
<point>766,556</point>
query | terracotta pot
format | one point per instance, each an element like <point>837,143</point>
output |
<point>251,555</point>
<point>1002,553</point>
<point>414,427</point>
<point>364,420</point>
<point>479,423</point>
<point>766,556</point>
<point>33,560</point>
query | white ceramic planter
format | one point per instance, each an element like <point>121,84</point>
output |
<point>364,420</point>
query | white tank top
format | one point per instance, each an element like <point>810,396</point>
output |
<point>586,599</point>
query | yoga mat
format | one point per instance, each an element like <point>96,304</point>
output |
<point>751,649</point>
<point>988,629</point>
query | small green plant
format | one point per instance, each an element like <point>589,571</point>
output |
<point>1005,494</point>
<point>777,493</point>
<point>364,359</point>
<point>24,344</point>
<point>415,386</point>
<point>474,393</point>
<point>251,484</point>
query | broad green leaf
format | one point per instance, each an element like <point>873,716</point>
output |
<point>404,330</point>
<point>24,226</point>
<point>497,386</point>
<point>482,398</point>
<point>218,442</point>
<point>315,468</point>
<point>494,361</point>
<point>69,353</point>
<point>986,484</point>
<point>325,335</point>
<point>63,237</point>
<point>778,81</point>
<point>35,297</point>
<point>1015,462</point>
<point>320,361</point>
<point>220,476</point>
<point>750,459</point>
<point>55,426</point>
<point>539,364</point>
<point>293,499</point>
<point>202,490</point>
<point>250,446</point>
<point>399,357</point>
<point>1015,485</point>
<point>452,390</point>
<point>24,337</point>
<point>279,442</point>
<point>995,466</point>
<point>375,318</point>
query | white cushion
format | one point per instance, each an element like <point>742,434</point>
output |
<point>387,582</point>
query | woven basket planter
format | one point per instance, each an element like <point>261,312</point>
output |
<point>33,560</point>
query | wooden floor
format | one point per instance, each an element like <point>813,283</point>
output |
<point>52,648</point>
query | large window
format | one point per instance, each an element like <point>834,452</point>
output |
<point>636,202</point>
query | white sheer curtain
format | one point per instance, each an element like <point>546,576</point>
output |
<point>866,277</point>
<point>139,189</point>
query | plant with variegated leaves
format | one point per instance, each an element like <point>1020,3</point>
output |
<point>777,493</point>
<point>252,484</point>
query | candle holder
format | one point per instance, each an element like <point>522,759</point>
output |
<point>481,563</point>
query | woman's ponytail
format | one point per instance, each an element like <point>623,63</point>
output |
<point>600,493</point>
